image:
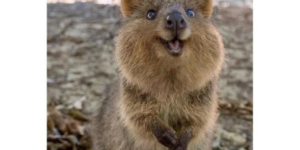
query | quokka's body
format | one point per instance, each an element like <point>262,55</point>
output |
<point>169,56</point>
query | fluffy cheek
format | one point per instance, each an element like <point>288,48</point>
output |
<point>162,32</point>
<point>185,34</point>
<point>165,34</point>
<point>159,49</point>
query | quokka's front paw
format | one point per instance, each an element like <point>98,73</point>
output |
<point>183,141</point>
<point>180,147</point>
<point>167,136</point>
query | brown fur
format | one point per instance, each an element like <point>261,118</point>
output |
<point>162,102</point>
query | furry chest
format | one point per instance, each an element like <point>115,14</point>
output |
<point>174,112</point>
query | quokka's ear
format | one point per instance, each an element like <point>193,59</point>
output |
<point>128,6</point>
<point>206,7</point>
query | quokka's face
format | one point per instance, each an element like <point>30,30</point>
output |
<point>168,25</point>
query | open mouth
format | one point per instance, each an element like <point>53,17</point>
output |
<point>174,47</point>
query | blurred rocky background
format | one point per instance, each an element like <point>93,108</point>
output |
<point>81,37</point>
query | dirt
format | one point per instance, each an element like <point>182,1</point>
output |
<point>80,66</point>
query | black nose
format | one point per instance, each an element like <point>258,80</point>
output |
<point>175,21</point>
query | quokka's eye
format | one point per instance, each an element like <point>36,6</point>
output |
<point>190,13</point>
<point>151,14</point>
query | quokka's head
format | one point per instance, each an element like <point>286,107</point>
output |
<point>167,24</point>
<point>168,38</point>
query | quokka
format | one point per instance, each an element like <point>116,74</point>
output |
<point>169,56</point>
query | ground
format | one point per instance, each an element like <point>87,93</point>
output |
<point>81,39</point>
